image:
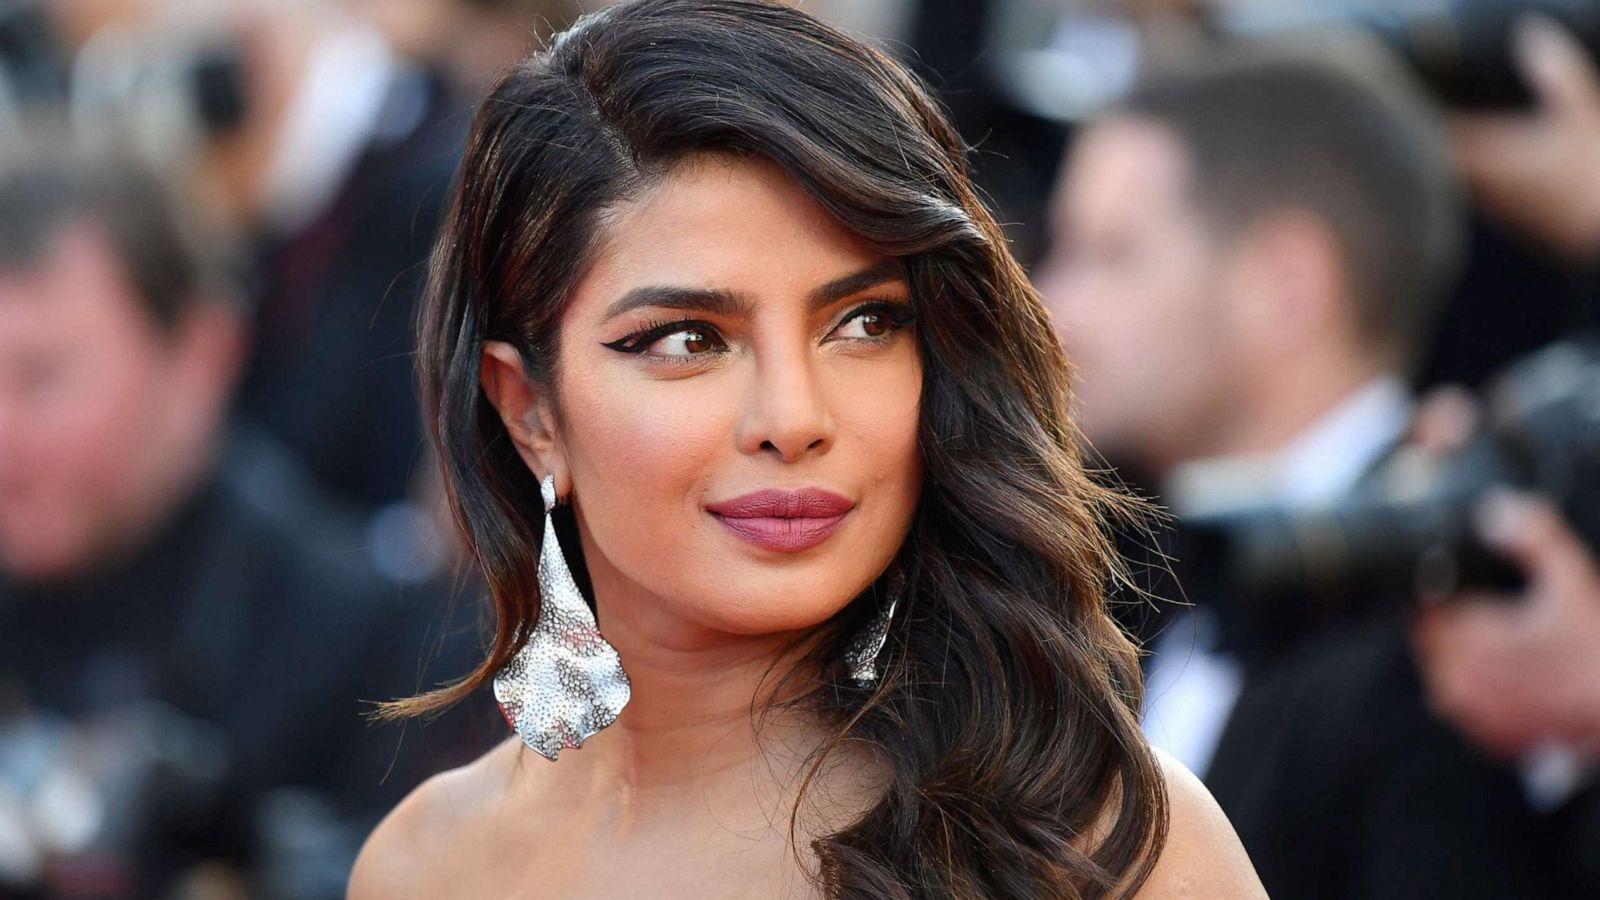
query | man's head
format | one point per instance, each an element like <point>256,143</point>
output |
<point>115,360</point>
<point>1241,243</point>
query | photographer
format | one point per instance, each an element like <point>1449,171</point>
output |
<point>1521,674</point>
<point>1277,228</point>
<point>186,631</point>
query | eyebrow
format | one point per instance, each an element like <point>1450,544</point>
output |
<point>729,303</point>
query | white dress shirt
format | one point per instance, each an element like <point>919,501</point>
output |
<point>1192,688</point>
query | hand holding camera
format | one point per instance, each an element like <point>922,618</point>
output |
<point>1517,672</point>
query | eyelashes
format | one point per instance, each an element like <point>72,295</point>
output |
<point>896,315</point>
<point>639,341</point>
<point>893,315</point>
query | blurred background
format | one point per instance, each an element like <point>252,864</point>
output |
<point>1327,271</point>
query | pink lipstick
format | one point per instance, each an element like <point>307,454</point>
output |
<point>784,520</point>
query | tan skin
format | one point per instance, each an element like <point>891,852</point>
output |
<point>801,386</point>
<point>107,420</point>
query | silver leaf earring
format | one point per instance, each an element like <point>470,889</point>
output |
<point>566,683</point>
<point>861,655</point>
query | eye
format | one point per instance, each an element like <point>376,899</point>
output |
<point>683,342</point>
<point>873,321</point>
<point>865,325</point>
<point>680,340</point>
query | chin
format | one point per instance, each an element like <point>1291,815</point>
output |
<point>39,564</point>
<point>773,608</point>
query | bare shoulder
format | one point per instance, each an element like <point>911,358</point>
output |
<point>1203,857</point>
<point>416,845</point>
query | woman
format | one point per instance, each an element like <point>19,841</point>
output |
<point>716,278</point>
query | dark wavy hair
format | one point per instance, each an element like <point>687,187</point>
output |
<point>1006,709</point>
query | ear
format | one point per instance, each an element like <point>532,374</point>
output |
<point>1293,280</point>
<point>209,347</point>
<point>526,411</point>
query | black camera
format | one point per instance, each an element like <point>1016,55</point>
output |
<point>1280,574</point>
<point>1461,49</point>
<point>131,78</point>
<point>31,70</point>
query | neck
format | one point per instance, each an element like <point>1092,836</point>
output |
<point>1291,398</point>
<point>698,712</point>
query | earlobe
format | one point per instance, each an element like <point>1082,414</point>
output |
<point>523,409</point>
<point>1291,282</point>
<point>1303,257</point>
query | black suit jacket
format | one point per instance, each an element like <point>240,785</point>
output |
<point>250,625</point>
<point>1343,785</point>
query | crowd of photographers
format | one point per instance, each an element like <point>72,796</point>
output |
<point>1329,292</point>
<point>1326,273</point>
<point>218,543</point>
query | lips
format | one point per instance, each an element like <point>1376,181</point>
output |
<point>784,520</point>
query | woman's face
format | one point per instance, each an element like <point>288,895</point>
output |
<point>730,339</point>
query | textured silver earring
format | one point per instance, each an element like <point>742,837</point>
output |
<point>566,683</point>
<point>861,655</point>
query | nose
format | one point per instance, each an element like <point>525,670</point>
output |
<point>786,412</point>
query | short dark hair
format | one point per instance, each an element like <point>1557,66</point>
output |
<point>49,181</point>
<point>1335,128</point>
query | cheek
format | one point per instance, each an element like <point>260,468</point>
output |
<point>1117,309</point>
<point>877,432</point>
<point>79,460</point>
<point>1113,345</point>
<point>639,437</point>
<point>1146,350</point>
<point>642,455</point>
<point>94,427</point>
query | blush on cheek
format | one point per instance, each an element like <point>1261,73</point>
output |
<point>650,440</point>
<point>641,454</point>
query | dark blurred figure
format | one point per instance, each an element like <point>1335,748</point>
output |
<point>1464,51</point>
<point>1536,270</point>
<point>1535,169</point>
<point>355,146</point>
<point>358,112</point>
<point>186,633</point>
<point>1020,75</point>
<point>1521,674</point>
<point>1516,673</point>
<point>1251,254</point>
<point>956,45</point>
<point>304,130</point>
<point>467,43</point>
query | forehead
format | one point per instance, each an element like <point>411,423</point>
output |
<point>716,221</point>
<point>76,291</point>
<point>1126,166</point>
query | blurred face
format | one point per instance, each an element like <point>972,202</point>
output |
<point>1138,290</point>
<point>737,406</point>
<point>86,405</point>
